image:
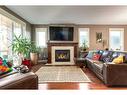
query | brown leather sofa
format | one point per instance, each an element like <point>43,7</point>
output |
<point>111,74</point>
<point>19,81</point>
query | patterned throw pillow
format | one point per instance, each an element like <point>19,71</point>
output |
<point>105,60</point>
<point>4,69</point>
<point>114,55</point>
<point>104,55</point>
<point>96,56</point>
<point>100,52</point>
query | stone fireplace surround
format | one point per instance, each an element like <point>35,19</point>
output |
<point>65,45</point>
<point>71,48</point>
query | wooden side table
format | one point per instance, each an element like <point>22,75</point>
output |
<point>80,62</point>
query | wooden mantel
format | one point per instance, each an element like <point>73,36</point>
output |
<point>60,43</point>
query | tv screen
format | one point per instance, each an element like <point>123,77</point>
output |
<point>61,33</point>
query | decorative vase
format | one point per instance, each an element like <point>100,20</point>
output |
<point>34,58</point>
<point>17,60</point>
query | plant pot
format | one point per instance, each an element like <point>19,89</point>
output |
<point>34,58</point>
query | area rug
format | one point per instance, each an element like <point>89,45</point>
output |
<point>61,74</point>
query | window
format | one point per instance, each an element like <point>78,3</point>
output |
<point>8,27</point>
<point>5,34</point>
<point>17,29</point>
<point>83,36</point>
<point>41,37</point>
<point>116,38</point>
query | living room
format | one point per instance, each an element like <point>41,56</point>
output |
<point>65,47</point>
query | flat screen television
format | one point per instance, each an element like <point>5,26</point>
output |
<point>61,33</point>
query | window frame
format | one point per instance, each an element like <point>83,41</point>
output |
<point>88,30</point>
<point>45,36</point>
<point>117,29</point>
<point>13,20</point>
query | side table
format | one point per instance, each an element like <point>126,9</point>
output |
<point>80,62</point>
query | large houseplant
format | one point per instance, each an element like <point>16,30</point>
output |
<point>21,45</point>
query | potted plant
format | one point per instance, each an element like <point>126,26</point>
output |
<point>20,47</point>
<point>84,46</point>
<point>34,53</point>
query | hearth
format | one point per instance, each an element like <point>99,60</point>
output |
<point>62,55</point>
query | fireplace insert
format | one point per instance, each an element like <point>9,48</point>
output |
<point>62,55</point>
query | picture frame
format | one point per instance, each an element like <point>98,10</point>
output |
<point>98,37</point>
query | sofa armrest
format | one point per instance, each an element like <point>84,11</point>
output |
<point>20,81</point>
<point>115,74</point>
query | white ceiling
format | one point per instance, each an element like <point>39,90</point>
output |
<point>72,14</point>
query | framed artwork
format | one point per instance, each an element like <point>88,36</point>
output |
<point>98,37</point>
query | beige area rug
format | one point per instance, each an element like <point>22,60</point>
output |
<point>61,74</point>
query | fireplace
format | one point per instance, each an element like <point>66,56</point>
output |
<point>62,55</point>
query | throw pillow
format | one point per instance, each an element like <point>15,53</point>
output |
<point>118,60</point>
<point>114,55</point>
<point>96,56</point>
<point>100,52</point>
<point>90,55</point>
<point>105,55</point>
<point>4,69</point>
<point>105,60</point>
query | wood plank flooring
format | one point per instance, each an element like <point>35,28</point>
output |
<point>96,84</point>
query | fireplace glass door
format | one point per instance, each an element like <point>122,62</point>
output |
<point>62,55</point>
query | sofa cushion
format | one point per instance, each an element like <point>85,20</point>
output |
<point>97,66</point>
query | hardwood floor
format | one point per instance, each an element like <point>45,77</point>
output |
<point>95,83</point>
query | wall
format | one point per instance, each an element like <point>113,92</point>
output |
<point>105,35</point>
<point>93,29</point>
<point>47,26</point>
